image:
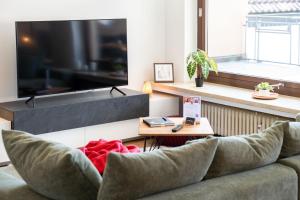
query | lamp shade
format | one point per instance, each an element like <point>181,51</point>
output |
<point>147,88</point>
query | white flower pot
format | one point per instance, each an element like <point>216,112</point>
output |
<point>264,92</point>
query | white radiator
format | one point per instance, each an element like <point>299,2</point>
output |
<point>228,121</point>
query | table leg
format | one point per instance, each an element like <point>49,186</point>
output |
<point>159,141</point>
<point>145,143</point>
<point>153,143</point>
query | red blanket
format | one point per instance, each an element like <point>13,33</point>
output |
<point>97,151</point>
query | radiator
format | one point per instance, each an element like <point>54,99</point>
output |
<point>227,121</point>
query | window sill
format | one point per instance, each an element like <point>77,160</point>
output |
<point>280,72</point>
<point>285,106</point>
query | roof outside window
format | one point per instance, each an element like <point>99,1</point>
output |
<point>273,6</point>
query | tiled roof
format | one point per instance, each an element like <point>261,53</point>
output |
<point>273,6</point>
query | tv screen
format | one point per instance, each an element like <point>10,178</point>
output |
<point>65,56</point>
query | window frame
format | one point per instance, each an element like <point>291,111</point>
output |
<point>232,79</point>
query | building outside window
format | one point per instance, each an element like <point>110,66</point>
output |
<point>263,37</point>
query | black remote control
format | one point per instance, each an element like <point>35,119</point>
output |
<point>177,128</point>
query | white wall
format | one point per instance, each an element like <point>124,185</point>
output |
<point>175,36</point>
<point>181,34</point>
<point>225,27</point>
<point>191,32</point>
<point>146,32</point>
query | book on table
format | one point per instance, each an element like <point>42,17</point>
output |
<point>158,121</point>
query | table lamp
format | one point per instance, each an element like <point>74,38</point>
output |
<point>147,88</point>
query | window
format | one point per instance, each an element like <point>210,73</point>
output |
<point>273,38</point>
<point>254,41</point>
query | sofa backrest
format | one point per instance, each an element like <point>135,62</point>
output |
<point>298,117</point>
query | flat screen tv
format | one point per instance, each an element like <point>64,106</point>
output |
<point>66,56</point>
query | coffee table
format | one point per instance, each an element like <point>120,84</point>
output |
<point>192,131</point>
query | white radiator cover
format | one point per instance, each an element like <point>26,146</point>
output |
<point>227,121</point>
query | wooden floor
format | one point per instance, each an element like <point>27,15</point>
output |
<point>139,143</point>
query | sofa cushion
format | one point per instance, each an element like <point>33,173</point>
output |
<point>52,169</point>
<point>12,188</point>
<point>298,118</point>
<point>293,162</point>
<point>272,182</point>
<point>291,140</point>
<point>129,176</point>
<point>241,153</point>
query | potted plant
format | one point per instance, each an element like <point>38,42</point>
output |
<point>200,62</point>
<point>264,89</point>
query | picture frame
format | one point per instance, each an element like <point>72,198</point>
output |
<point>163,73</point>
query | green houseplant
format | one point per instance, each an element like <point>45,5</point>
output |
<point>200,62</point>
<point>264,88</point>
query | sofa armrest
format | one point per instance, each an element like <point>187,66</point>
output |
<point>12,188</point>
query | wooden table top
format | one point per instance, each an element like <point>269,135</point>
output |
<point>202,129</point>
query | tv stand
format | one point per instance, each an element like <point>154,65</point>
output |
<point>115,88</point>
<point>32,98</point>
<point>70,111</point>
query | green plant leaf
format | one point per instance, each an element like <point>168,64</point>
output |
<point>191,69</point>
<point>205,70</point>
<point>264,86</point>
<point>213,65</point>
<point>200,58</point>
<point>204,54</point>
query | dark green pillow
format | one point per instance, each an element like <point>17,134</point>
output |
<point>291,140</point>
<point>131,176</point>
<point>241,153</point>
<point>52,169</point>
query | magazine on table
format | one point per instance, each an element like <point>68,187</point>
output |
<point>192,107</point>
<point>158,121</point>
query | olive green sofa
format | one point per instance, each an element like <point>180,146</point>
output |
<point>275,181</point>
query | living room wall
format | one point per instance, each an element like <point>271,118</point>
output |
<point>181,34</point>
<point>146,32</point>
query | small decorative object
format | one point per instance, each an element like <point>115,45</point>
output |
<point>163,72</point>
<point>147,88</point>
<point>190,120</point>
<point>192,108</point>
<point>265,91</point>
<point>200,62</point>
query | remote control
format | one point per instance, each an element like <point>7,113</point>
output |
<point>177,128</point>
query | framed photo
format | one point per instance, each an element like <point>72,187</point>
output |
<point>163,73</point>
